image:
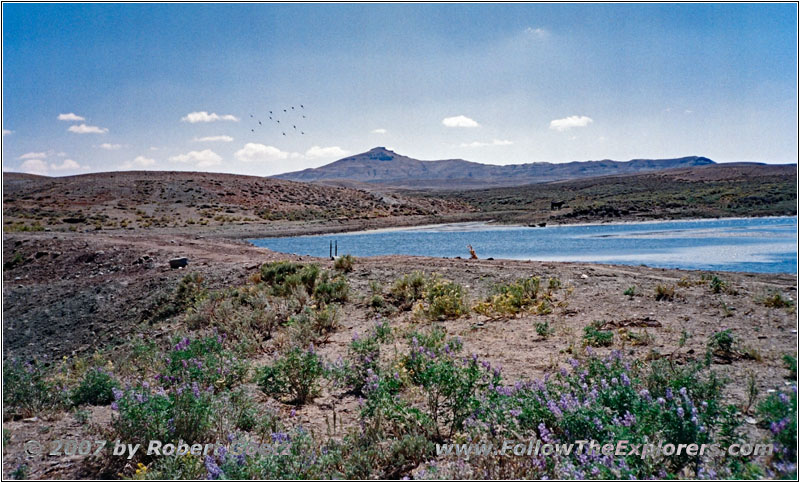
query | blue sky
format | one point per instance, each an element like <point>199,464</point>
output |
<point>103,87</point>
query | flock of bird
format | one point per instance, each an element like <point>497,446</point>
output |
<point>291,116</point>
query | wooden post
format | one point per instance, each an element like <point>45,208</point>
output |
<point>330,249</point>
<point>336,248</point>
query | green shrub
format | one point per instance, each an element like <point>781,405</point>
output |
<point>790,362</point>
<point>630,291</point>
<point>595,337</point>
<point>544,329</point>
<point>778,413</point>
<point>344,263</point>
<point>331,289</point>
<point>294,374</point>
<point>284,277</point>
<point>28,391</point>
<point>722,342</point>
<point>204,361</point>
<point>95,388</point>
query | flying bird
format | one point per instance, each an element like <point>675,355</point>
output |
<point>284,110</point>
<point>284,134</point>
<point>301,106</point>
<point>252,130</point>
<point>294,126</point>
<point>259,123</point>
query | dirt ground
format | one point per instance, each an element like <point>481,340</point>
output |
<point>73,293</point>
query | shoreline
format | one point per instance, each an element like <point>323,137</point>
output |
<point>500,226</point>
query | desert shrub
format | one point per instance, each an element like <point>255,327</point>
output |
<point>326,320</point>
<point>451,384</point>
<point>203,361</point>
<point>779,414</point>
<point>665,292</point>
<point>776,300</point>
<point>408,289</point>
<point>722,342</point>
<point>331,289</point>
<point>630,291</point>
<point>27,390</point>
<point>544,329</point>
<point>595,337</point>
<point>446,300</point>
<point>247,315</point>
<point>95,388</point>
<point>790,362</point>
<point>717,285</point>
<point>363,359</point>
<point>190,290</point>
<point>344,263</point>
<point>284,277</point>
<point>294,375</point>
<point>144,414</point>
<point>524,295</point>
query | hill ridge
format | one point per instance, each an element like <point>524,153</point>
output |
<point>383,166</point>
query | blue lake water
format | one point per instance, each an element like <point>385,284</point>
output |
<point>735,244</point>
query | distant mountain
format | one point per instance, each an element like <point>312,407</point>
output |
<point>382,166</point>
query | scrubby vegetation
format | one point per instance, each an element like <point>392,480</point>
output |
<point>241,361</point>
<point>524,295</point>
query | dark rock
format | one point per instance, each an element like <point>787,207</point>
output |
<point>178,262</point>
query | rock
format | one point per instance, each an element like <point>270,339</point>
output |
<point>178,262</point>
<point>584,276</point>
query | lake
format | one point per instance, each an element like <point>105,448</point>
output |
<point>766,245</point>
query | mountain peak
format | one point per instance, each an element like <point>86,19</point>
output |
<point>380,153</point>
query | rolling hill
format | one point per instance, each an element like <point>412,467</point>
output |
<point>142,199</point>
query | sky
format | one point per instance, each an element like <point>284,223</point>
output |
<point>105,87</point>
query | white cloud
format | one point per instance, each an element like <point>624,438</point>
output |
<point>202,159</point>
<point>326,152</point>
<point>688,111</point>
<point>261,152</point>
<point>378,131</point>
<point>204,116</point>
<point>34,155</point>
<point>139,162</point>
<point>84,129</point>
<point>538,33</point>
<point>479,144</point>
<point>67,164</point>
<point>7,132</point>
<point>34,166</point>
<point>110,147</point>
<point>459,121</point>
<point>70,117</point>
<point>213,139</point>
<point>570,122</point>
